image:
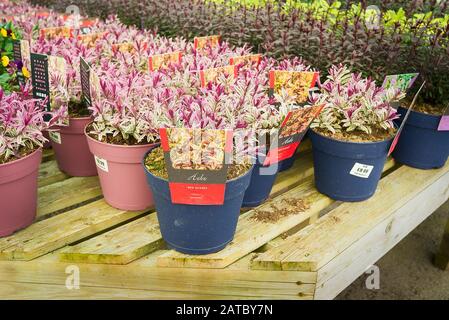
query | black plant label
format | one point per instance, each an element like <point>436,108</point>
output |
<point>17,56</point>
<point>40,78</point>
<point>85,82</point>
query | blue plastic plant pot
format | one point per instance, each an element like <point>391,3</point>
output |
<point>198,229</point>
<point>287,163</point>
<point>347,171</point>
<point>262,180</point>
<point>421,145</point>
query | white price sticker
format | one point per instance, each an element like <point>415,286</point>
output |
<point>361,170</point>
<point>55,136</point>
<point>102,164</point>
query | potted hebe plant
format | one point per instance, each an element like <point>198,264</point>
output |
<point>21,141</point>
<point>68,142</point>
<point>352,136</point>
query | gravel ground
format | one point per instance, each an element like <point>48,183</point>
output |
<point>407,272</point>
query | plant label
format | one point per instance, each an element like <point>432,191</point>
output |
<point>398,133</point>
<point>89,39</point>
<point>56,32</point>
<point>55,136</point>
<point>361,170</point>
<point>162,61</point>
<point>195,161</point>
<point>125,47</point>
<point>102,164</point>
<point>21,52</point>
<point>200,43</point>
<point>249,58</point>
<point>291,133</point>
<point>40,77</point>
<point>444,122</point>
<point>403,82</point>
<point>212,74</point>
<point>296,83</point>
<point>85,82</point>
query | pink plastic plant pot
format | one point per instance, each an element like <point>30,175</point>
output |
<point>122,177</point>
<point>18,193</point>
<point>71,149</point>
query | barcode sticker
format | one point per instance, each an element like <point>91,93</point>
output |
<point>361,170</point>
<point>55,136</point>
<point>102,164</point>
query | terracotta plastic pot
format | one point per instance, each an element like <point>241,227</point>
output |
<point>71,149</point>
<point>18,193</point>
<point>122,178</point>
<point>198,229</point>
<point>420,144</point>
<point>347,171</point>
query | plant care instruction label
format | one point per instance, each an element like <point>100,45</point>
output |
<point>55,136</point>
<point>195,162</point>
<point>162,61</point>
<point>39,77</point>
<point>102,164</point>
<point>85,82</point>
<point>361,170</point>
<point>56,32</point>
<point>444,122</point>
<point>291,133</point>
<point>208,41</point>
<point>21,52</point>
<point>403,82</point>
<point>296,83</point>
<point>212,74</point>
<point>249,58</point>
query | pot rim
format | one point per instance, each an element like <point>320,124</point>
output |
<point>115,145</point>
<point>353,142</point>
<point>422,113</point>
<point>21,159</point>
<point>166,180</point>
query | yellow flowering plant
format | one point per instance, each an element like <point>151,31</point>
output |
<point>8,67</point>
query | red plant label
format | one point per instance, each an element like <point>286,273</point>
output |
<point>296,83</point>
<point>162,61</point>
<point>196,166</point>
<point>211,75</point>
<point>200,43</point>
<point>291,133</point>
<point>249,58</point>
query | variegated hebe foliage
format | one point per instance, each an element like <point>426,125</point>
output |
<point>354,103</point>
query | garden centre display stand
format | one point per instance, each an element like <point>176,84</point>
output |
<point>282,249</point>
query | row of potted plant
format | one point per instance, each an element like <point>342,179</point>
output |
<point>129,104</point>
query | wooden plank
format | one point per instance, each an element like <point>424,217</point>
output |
<point>49,173</point>
<point>119,246</point>
<point>253,233</point>
<point>236,281</point>
<point>341,271</point>
<point>316,245</point>
<point>442,257</point>
<point>62,195</point>
<point>47,155</point>
<point>143,236</point>
<point>53,233</point>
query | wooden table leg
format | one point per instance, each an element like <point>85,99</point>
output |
<point>442,257</point>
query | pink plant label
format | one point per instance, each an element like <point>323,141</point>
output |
<point>444,122</point>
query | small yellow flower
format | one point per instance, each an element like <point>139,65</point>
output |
<point>5,61</point>
<point>25,72</point>
<point>13,36</point>
<point>4,33</point>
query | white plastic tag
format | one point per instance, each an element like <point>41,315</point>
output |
<point>55,136</point>
<point>361,170</point>
<point>102,164</point>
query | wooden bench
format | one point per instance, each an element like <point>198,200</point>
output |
<point>311,251</point>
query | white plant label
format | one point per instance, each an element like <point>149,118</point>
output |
<point>55,136</point>
<point>361,170</point>
<point>102,164</point>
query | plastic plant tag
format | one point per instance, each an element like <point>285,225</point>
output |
<point>296,83</point>
<point>200,43</point>
<point>21,52</point>
<point>102,164</point>
<point>85,82</point>
<point>55,136</point>
<point>95,91</point>
<point>361,170</point>
<point>49,74</point>
<point>249,58</point>
<point>195,162</point>
<point>211,75</point>
<point>89,39</point>
<point>42,14</point>
<point>291,133</point>
<point>398,133</point>
<point>162,61</point>
<point>444,122</point>
<point>402,82</point>
<point>125,47</point>
<point>55,32</point>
